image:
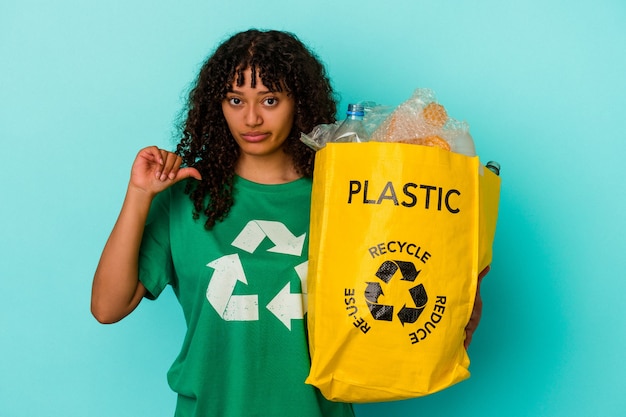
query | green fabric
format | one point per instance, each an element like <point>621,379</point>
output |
<point>238,358</point>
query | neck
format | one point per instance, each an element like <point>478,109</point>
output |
<point>267,170</point>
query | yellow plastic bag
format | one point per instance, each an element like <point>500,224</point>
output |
<point>399,234</point>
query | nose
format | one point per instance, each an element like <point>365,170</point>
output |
<point>253,117</point>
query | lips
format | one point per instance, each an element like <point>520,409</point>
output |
<point>254,137</point>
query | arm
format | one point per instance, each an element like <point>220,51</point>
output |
<point>116,289</point>
<point>476,312</point>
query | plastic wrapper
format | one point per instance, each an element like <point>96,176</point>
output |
<point>420,120</point>
<point>319,136</point>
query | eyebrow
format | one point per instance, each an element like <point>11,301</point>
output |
<point>260,92</point>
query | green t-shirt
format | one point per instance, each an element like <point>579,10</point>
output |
<point>241,288</point>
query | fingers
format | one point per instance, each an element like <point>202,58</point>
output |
<point>475,317</point>
<point>156,169</point>
<point>483,273</point>
<point>151,154</point>
<point>169,164</point>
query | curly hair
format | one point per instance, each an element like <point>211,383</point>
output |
<point>282,62</point>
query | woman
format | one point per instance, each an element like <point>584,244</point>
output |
<point>224,221</point>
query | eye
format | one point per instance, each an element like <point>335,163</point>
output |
<point>234,101</point>
<point>271,101</point>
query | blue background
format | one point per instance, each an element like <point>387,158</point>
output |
<point>85,85</point>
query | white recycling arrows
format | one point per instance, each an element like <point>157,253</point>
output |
<point>256,230</point>
<point>228,271</point>
<point>287,306</point>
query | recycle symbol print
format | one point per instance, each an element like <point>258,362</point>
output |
<point>229,270</point>
<point>386,271</point>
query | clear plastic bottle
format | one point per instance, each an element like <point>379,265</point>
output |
<point>352,129</point>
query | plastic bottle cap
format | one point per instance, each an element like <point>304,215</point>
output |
<point>356,110</point>
<point>494,167</point>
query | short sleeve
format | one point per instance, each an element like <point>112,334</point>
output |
<point>156,269</point>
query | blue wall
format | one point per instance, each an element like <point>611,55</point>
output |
<point>84,85</point>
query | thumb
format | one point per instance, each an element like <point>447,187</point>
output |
<point>188,172</point>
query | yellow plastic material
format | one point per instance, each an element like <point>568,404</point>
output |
<point>399,234</point>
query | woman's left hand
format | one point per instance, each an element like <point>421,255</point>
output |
<point>477,312</point>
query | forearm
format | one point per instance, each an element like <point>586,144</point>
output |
<point>116,288</point>
<point>477,311</point>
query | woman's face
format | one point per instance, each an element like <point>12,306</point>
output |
<point>258,119</point>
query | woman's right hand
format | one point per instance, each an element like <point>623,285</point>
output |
<point>156,169</point>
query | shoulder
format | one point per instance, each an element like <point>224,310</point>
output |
<point>173,196</point>
<point>178,190</point>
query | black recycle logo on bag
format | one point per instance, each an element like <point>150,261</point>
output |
<point>386,271</point>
